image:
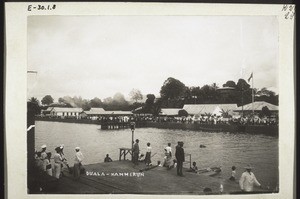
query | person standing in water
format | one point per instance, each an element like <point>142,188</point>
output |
<point>248,180</point>
<point>233,173</point>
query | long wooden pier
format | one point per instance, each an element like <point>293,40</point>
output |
<point>107,125</point>
<point>122,177</point>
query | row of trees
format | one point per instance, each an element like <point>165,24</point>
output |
<point>174,94</point>
<point>117,102</point>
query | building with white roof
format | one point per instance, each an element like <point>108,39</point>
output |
<point>203,109</point>
<point>256,107</point>
<point>64,111</point>
<point>169,111</point>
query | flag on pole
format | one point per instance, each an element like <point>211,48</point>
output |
<point>251,76</point>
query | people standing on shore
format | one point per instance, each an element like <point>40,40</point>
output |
<point>64,160</point>
<point>179,154</point>
<point>57,162</point>
<point>77,163</point>
<point>233,173</point>
<point>107,158</point>
<point>48,164</point>
<point>44,156</point>
<point>135,152</point>
<point>39,162</point>
<point>248,180</point>
<point>148,154</point>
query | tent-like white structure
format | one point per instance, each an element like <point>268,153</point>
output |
<point>217,111</point>
<point>257,106</point>
<point>202,109</point>
<point>119,113</point>
<point>170,111</point>
<point>102,112</point>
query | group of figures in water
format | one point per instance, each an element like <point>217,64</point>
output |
<point>246,182</point>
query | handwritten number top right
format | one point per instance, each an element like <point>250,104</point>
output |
<point>290,11</point>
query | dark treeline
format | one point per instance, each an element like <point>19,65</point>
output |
<point>174,94</point>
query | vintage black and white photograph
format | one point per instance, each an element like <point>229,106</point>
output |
<point>153,104</point>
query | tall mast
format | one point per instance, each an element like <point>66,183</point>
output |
<point>252,95</point>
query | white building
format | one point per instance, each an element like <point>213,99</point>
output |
<point>65,112</point>
<point>95,112</point>
<point>47,112</point>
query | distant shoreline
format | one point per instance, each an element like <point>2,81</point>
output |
<point>271,130</point>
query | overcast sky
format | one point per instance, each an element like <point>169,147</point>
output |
<point>97,56</point>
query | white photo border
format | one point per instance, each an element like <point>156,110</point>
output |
<point>16,83</point>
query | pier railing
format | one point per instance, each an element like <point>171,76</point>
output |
<point>123,152</point>
<point>189,157</point>
<point>106,125</point>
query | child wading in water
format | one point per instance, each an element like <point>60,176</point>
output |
<point>232,177</point>
<point>148,155</point>
<point>194,168</point>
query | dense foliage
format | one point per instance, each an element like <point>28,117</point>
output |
<point>47,100</point>
<point>174,94</point>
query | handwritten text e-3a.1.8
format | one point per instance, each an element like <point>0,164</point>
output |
<point>41,7</point>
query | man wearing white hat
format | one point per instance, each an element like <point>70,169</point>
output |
<point>57,163</point>
<point>248,180</point>
<point>64,160</point>
<point>44,156</point>
<point>77,163</point>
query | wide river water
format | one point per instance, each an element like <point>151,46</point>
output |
<point>222,148</point>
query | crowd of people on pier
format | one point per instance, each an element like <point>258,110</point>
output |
<point>53,166</point>
<point>212,119</point>
<point>196,119</point>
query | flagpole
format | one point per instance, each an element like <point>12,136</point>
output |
<point>242,101</point>
<point>252,95</point>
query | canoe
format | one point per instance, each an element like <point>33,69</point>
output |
<point>209,171</point>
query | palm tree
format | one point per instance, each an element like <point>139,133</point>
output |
<point>214,86</point>
<point>34,100</point>
<point>225,114</point>
<point>33,106</point>
<point>266,92</point>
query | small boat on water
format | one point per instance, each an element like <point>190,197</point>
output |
<point>211,171</point>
